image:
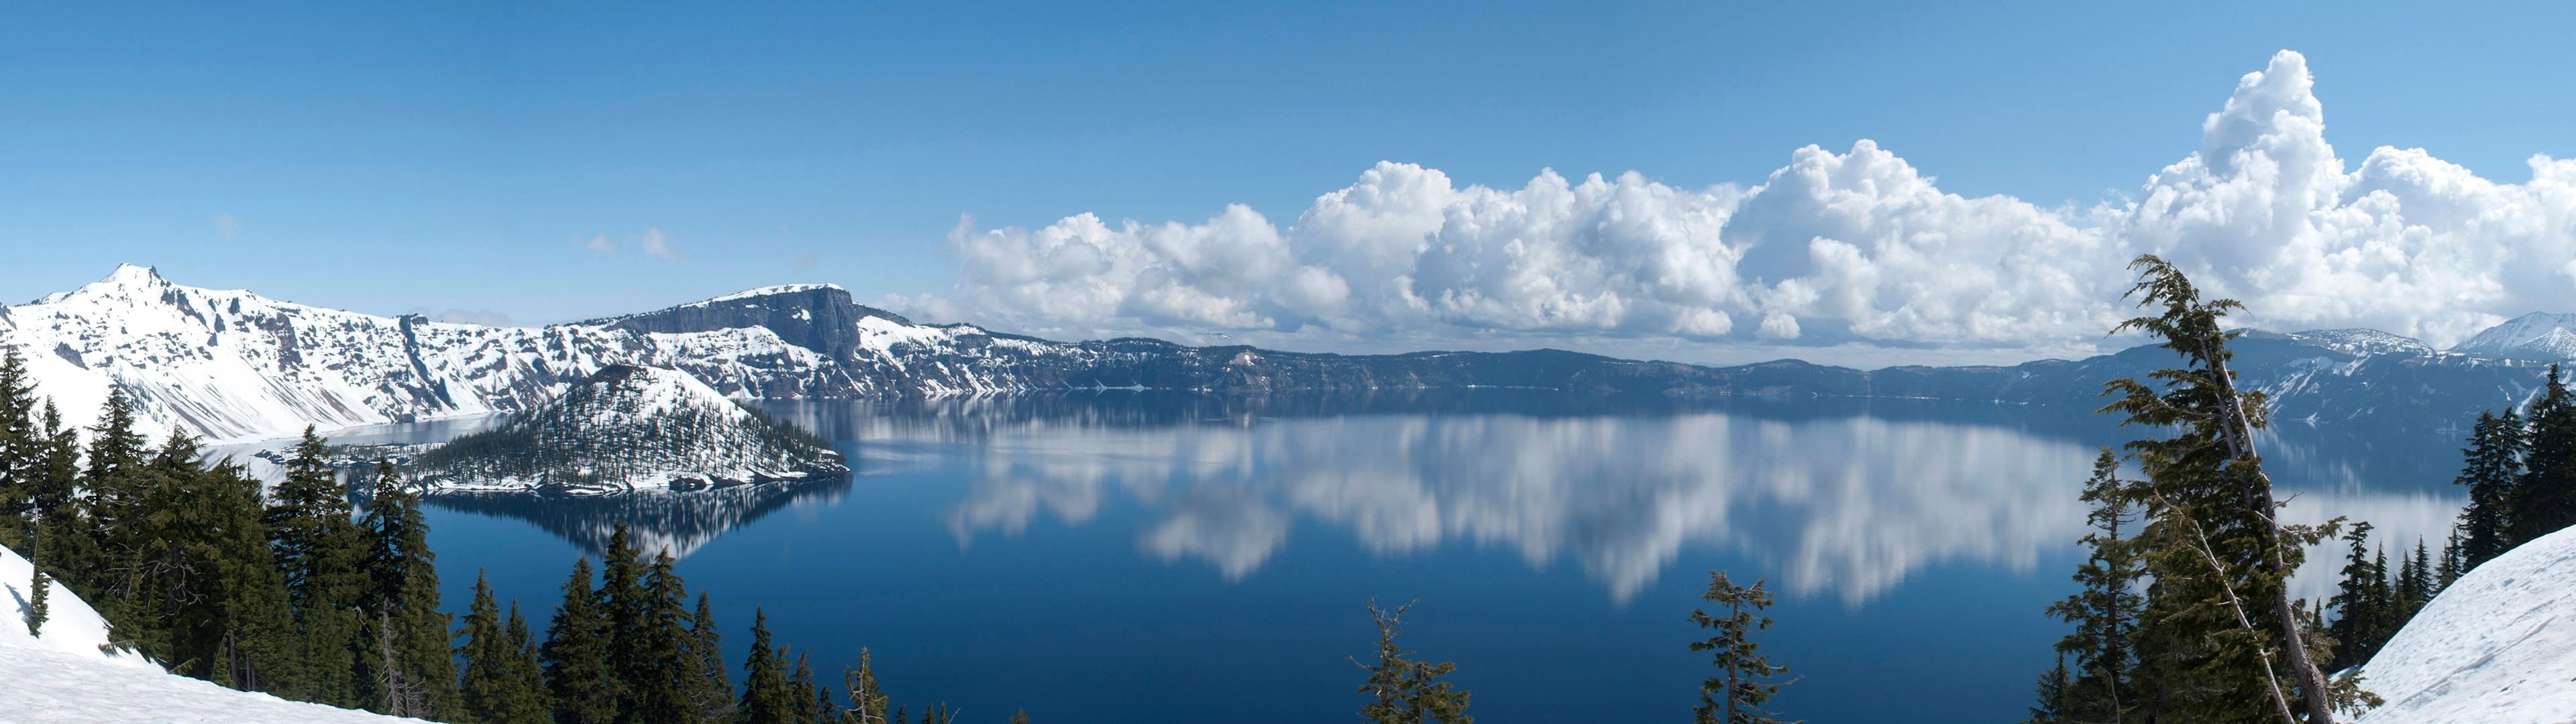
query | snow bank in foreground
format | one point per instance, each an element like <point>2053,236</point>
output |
<point>2494,648</point>
<point>66,676</point>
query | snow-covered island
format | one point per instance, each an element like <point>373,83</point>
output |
<point>628,428</point>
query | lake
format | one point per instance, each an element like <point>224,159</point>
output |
<point>1167,557</point>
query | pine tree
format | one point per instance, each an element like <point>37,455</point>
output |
<point>21,449</point>
<point>2419,579</point>
<point>2055,686</point>
<point>1403,690</point>
<point>2223,643</point>
<point>621,592</point>
<point>2105,611</point>
<point>665,681</point>
<point>2491,469</point>
<point>867,697</point>
<point>489,681</point>
<point>1745,679</point>
<point>115,459</point>
<point>2544,500</point>
<point>711,685</point>
<point>2354,604</point>
<point>765,693</point>
<point>321,554</point>
<point>402,580</point>
<point>812,703</point>
<point>38,607</point>
<point>526,700</point>
<point>2453,563</point>
<point>578,659</point>
<point>254,646</point>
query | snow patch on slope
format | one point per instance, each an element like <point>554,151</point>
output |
<point>2492,649</point>
<point>68,675</point>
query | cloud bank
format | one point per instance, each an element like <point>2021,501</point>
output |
<point>1834,248</point>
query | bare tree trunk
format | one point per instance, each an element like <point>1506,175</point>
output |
<point>2239,434</point>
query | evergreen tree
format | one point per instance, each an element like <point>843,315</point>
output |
<point>666,681</point>
<point>22,449</point>
<point>622,595</point>
<point>2223,643</point>
<point>1745,679</point>
<point>1403,690</point>
<point>2354,604</point>
<point>490,681</point>
<point>579,669</point>
<point>2491,469</point>
<point>2418,588</point>
<point>402,579</point>
<point>2452,565</point>
<point>2544,500</point>
<point>813,704</point>
<point>321,554</point>
<point>2055,687</point>
<point>115,460</point>
<point>2105,611</point>
<point>711,686</point>
<point>255,645</point>
<point>38,608</point>
<point>766,697</point>
<point>867,697</point>
<point>523,698</point>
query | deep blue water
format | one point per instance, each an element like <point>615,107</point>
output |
<point>1146,557</point>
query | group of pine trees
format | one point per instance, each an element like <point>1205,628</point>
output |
<point>290,592</point>
<point>2184,613</point>
<point>1403,690</point>
<point>298,592</point>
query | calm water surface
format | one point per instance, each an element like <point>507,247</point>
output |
<point>1148,557</point>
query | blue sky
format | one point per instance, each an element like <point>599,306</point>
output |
<point>389,159</point>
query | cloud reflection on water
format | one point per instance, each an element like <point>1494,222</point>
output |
<point>1844,506</point>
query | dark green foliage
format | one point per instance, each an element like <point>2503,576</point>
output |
<point>2492,468</point>
<point>578,655</point>
<point>666,682</point>
<point>322,554</point>
<point>22,449</point>
<point>2221,642</point>
<point>1746,678</point>
<point>621,594</point>
<point>710,683</point>
<point>2055,688</point>
<point>2544,499</point>
<point>500,680</point>
<point>813,703</point>
<point>867,697</point>
<point>2452,564</point>
<point>402,589</point>
<point>38,606</point>
<point>766,696</point>
<point>2356,602</point>
<point>1403,690</point>
<point>527,699</point>
<point>2415,581</point>
<point>2105,611</point>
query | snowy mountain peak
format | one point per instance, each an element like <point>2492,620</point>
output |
<point>2536,336</point>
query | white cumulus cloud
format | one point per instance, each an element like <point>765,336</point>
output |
<point>658,244</point>
<point>1830,249</point>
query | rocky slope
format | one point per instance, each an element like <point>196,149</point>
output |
<point>628,428</point>
<point>232,365</point>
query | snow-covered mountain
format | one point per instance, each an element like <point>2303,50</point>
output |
<point>70,674</point>
<point>2536,336</point>
<point>2492,649</point>
<point>235,366</point>
<point>629,428</point>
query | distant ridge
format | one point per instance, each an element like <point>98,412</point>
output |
<point>232,365</point>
